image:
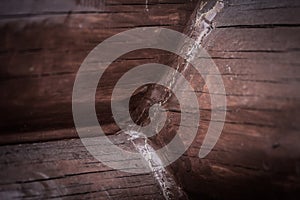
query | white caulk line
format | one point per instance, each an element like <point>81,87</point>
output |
<point>203,25</point>
<point>146,6</point>
<point>161,175</point>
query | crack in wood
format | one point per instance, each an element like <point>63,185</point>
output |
<point>242,26</point>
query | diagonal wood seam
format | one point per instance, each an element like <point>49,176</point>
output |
<point>198,28</point>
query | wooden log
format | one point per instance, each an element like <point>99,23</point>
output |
<point>255,45</point>
<point>42,47</point>
<point>43,52</point>
<point>256,155</point>
<point>65,170</point>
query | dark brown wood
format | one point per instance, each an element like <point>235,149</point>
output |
<point>42,53</point>
<point>255,45</point>
<point>42,46</point>
<point>65,170</point>
<point>256,156</point>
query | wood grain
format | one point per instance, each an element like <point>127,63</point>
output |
<point>255,45</point>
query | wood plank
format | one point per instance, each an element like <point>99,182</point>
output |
<point>16,8</point>
<point>47,47</point>
<point>262,14</point>
<point>255,46</point>
<point>65,170</point>
<point>256,155</point>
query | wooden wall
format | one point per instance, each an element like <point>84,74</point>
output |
<point>255,45</point>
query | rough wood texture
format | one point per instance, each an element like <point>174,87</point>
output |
<point>65,170</point>
<point>42,46</point>
<point>255,45</point>
<point>41,53</point>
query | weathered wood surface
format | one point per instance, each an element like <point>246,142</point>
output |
<point>42,53</point>
<point>255,45</point>
<point>65,170</point>
<point>42,46</point>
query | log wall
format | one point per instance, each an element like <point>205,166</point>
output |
<point>255,45</point>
